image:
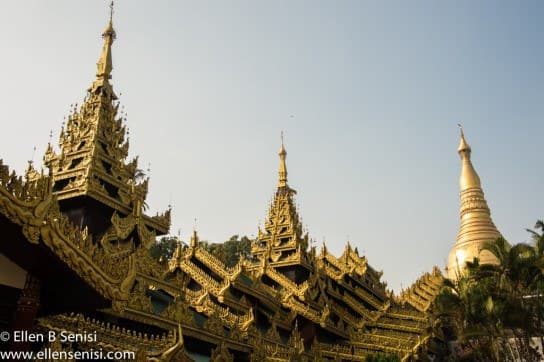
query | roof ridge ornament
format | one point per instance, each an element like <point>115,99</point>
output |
<point>104,65</point>
<point>283,167</point>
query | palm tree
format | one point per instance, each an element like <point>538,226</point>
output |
<point>515,277</point>
<point>538,240</point>
<point>495,310</point>
<point>467,309</point>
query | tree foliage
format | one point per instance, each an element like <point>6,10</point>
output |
<point>228,252</point>
<point>494,311</point>
<point>231,250</point>
<point>164,248</point>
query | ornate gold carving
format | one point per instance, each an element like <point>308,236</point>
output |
<point>214,325</point>
<point>41,219</point>
<point>176,353</point>
<point>110,337</point>
<point>178,311</point>
<point>94,147</point>
<point>282,234</point>
<point>139,299</point>
<point>25,203</point>
<point>218,266</point>
<point>422,293</point>
<point>342,295</point>
<point>296,344</point>
<point>147,265</point>
<point>258,354</point>
<point>272,333</point>
<point>298,290</point>
<point>221,354</point>
<point>123,226</point>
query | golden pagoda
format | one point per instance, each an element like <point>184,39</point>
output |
<point>476,228</point>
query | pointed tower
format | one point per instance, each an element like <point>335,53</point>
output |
<point>90,176</point>
<point>282,243</point>
<point>476,228</point>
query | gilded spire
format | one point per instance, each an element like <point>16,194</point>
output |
<point>94,149</point>
<point>283,167</point>
<point>194,239</point>
<point>469,178</point>
<point>283,238</point>
<point>477,227</point>
<point>104,65</point>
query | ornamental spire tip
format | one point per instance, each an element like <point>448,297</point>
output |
<point>104,65</point>
<point>463,145</point>
<point>111,11</point>
<point>283,167</point>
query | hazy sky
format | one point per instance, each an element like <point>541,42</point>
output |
<point>368,92</point>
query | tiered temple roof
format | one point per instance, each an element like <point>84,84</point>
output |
<point>282,241</point>
<point>286,302</point>
<point>92,160</point>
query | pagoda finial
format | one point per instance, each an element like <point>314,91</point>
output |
<point>111,12</point>
<point>283,167</point>
<point>194,239</point>
<point>463,146</point>
<point>104,65</point>
<point>469,178</point>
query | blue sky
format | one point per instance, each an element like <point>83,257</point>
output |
<point>368,93</point>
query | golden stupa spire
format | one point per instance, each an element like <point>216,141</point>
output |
<point>283,168</point>
<point>105,65</point>
<point>469,178</point>
<point>476,227</point>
